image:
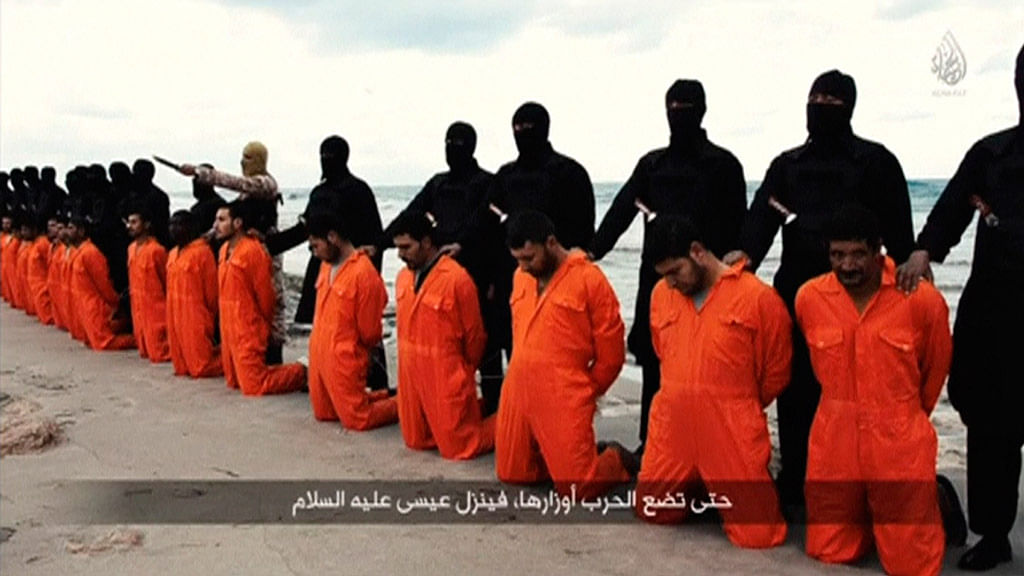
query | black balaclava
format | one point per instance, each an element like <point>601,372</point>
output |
<point>684,123</point>
<point>121,179</point>
<point>459,145</point>
<point>532,143</point>
<point>142,172</point>
<point>96,177</point>
<point>98,189</point>
<point>21,192</point>
<point>75,181</point>
<point>32,178</point>
<point>31,175</point>
<point>334,158</point>
<point>202,190</point>
<point>51,195</point>
<point>6,196</point>
<point>1018,81</point>
<point>828,123</point>
<point>48,175</point>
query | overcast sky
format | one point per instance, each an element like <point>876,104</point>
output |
<point>100,80</point>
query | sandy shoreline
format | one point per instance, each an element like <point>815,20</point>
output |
<point>123,418</point>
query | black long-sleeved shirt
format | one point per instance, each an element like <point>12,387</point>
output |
<point>452,198</point>
<point>812,182</point>
<point>992,170</point>
<point>558,186</point>
<point>704,184</point>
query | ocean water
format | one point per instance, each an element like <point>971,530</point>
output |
<point>621,264</point>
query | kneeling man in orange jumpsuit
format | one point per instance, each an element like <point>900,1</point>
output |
<point>92,299</point>
<point>29,233</point>
<point>6,237</point>
<point>74,241</point>
<point>723,338</point>
<point>881,356</point>
<point>247,302</point>
<point>568,342</point>
<point>347,325</point>
<point>441,341</point>
<point>54,279</point>
<point>147,281</point>
<point>39,269</point>
<point>192,301</point>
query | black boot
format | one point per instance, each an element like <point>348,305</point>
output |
<point>952,513</point>
<point>986,554</point>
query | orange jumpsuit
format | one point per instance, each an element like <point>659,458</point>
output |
<point>55,285</point>
<point>38,269</point>
<point>720,367</point>
<point>72,316</point>
<point>569,348</point>
<point>873,450</point>
<point>10,270</point>
<point>147,281</point>
<point>346,326</point>
<point>23,293</point>
<point>441,340</point>
<point>93,300</point>
<point>246,301</point>
<point>8,257</point>
<point>192,311</point>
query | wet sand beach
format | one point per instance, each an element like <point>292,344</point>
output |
<point>121,418</point>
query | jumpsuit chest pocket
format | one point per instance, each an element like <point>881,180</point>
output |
<point>828,354</point>
<point>517,297</point>
<point>898,366</point>
<point>569,306</point>
<point>663,331</point>
<point>662,319</point>
<point>435,317</point>
<point>568,319</point>
<point>344,297</point>
<point>404,296</point>
<point>733,342</point>
<point>437,303</point>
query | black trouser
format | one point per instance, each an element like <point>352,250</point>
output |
<point>498,324</point>
<point>492,375</point>
<point>796,407</point>
<point>651,384</point>
<point>993,473</point>
<point>307,300</point>
<point>377,376</point>
<point>639,344</point>
<point>274,354</point>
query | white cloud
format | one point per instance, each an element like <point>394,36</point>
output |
<point>99,80</point>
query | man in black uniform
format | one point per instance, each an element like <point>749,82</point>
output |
<point>985,381</point>
<point>339,192</point>
<point>51,195</point>
<point>155,198</point>
<point>834,167</point>
<point>539,179</point>
<point>452,198</point>
<point>691,177</point>
<point>107,230</point>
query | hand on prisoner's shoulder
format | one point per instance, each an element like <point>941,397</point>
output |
<point>910,273</point>
<point>452,249</point>
<point>735,256</point>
